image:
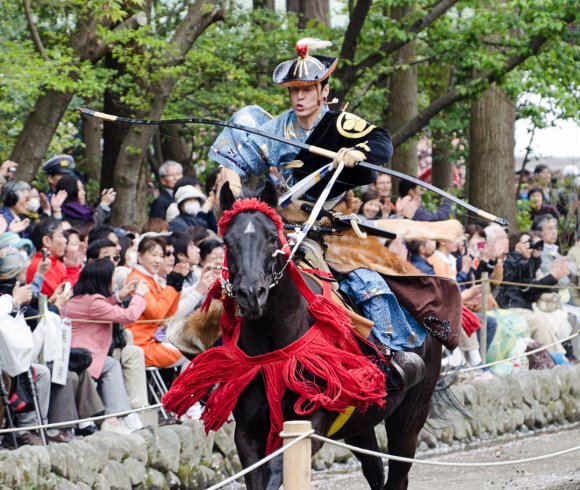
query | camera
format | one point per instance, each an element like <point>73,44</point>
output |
<point>12,170</point>
<point>537,245</point>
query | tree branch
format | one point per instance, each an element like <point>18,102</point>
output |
<point>33,30</point>
<point>358,16</point>
<point>99,49</point>
<point>390,46</point>
<point>348,74</point>
<point>470,89</point>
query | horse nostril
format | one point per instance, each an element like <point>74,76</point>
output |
<point>241,293</point>
<point>261,292</point>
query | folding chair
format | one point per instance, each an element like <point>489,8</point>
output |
<point>5,393</point>
<point>156,386</point>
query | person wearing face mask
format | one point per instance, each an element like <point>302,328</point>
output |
<point>193,209</point>
<point>15,196</point>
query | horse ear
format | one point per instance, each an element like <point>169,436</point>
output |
<point>227,197</point>
<point>269,194</point>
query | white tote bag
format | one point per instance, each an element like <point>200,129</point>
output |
<point>16,345</point>
<point>46,337</point>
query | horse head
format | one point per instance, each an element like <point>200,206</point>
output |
<point>252,240</point>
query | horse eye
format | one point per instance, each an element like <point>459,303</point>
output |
<point>274,239</point>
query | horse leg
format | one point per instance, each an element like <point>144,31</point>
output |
<point>403,428</point>
<point>372,466</point>
<point>251,450</point>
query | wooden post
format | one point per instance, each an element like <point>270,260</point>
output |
<point>483,330</point>
<point>297,459</point>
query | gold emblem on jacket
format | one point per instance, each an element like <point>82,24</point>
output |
<point>352,126</point>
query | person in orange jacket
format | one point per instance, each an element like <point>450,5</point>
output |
<point>162,302</point>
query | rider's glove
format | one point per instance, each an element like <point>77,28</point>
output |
<point>349,156</point>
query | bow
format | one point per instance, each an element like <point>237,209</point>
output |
<point>305,146</point>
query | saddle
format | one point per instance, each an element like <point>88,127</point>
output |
<point>311,257</point>
<point>434,301</point>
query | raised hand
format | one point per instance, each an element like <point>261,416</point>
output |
<point>19,225</point>
<point>57,201</point>
<point>108,197</point>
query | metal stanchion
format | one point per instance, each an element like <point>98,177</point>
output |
<point>483,330</point>
<point>297,459</point>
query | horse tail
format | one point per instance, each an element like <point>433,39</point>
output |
<point>444,403</point>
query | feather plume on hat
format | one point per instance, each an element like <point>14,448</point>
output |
<point>306,69</point>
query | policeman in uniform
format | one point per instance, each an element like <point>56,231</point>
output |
<point>56,168</point>
<point>241,154</point>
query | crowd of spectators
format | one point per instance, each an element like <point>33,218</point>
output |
<point>120,285</point>
<point>534,294</point>
<point>117,285</point>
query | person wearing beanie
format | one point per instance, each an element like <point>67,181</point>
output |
<point>194,210</point>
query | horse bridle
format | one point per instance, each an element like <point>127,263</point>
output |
<point>228,287</point>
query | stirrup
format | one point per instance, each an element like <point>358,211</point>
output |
<point>408,367</point>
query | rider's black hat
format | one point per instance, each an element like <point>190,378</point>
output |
<point>306,69</point>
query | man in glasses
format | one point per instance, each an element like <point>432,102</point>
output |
<point>103,248</point>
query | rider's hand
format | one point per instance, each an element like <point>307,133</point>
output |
<point>349,156</point>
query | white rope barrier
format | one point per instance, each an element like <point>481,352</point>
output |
<point>75,422</point>
<point>265,460</point>
<point>524,354</point>
<point>442,463</point>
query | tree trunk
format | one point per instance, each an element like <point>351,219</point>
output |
<point>403,102</point>
<point>263,4</point>
<point>92,133</point>
<point>113,136</point>
<point>308,10</point>
<point>32,144</point>
<point>491,154</point>
<point>39,128</point>
<point>441,166</point>
<point>131,156</point>
<point>174,147</point>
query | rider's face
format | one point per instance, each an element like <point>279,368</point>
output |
<point>306,101</point>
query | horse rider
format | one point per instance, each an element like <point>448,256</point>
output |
<point>241,154</point>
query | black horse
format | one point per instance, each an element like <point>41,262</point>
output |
<point>277,316</point>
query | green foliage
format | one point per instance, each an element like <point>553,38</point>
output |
<point>524,214</point>
<point>230,65</point>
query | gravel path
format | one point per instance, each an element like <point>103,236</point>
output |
<point>561,472</point>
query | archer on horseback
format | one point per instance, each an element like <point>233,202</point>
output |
<point>241,154</point>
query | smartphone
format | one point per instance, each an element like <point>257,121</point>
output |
<point>44,253</point>
<point>66,288</point>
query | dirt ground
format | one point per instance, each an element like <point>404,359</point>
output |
<point>560,472</point>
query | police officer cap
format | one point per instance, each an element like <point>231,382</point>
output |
<point>60,164</point>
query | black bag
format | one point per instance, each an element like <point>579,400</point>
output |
<point>21,394</point>
<point>79,359</point>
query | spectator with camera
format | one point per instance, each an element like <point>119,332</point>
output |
<point>521,266</point>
